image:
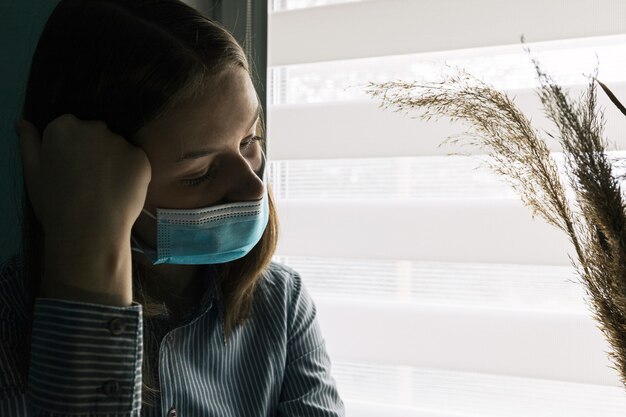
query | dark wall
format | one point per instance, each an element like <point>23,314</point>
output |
<point>21,23</point>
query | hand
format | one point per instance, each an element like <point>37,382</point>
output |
<point>82,176</point>
<point>87,187</point>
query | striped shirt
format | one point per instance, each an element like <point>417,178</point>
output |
<point>86,359</point>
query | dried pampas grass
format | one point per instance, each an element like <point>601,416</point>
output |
<point>593,219</point>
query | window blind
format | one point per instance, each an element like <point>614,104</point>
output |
<point>437,291</point>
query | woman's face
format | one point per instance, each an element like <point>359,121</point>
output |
<point>204,152</point>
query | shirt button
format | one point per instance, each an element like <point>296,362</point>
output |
<point>111,388</point>
<point>172,412</point>
<point>117,326</point>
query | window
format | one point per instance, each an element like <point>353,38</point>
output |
<point>437,292</point>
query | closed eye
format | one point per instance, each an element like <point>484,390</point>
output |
<point>191,182</point>
<point>248,142</point>
<point>199,180</point>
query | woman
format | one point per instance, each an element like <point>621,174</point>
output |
<point>145,285</point>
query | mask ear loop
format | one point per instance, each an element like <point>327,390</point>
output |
<point>148,213</point>
<point>137,247</point>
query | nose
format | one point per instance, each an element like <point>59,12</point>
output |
<point>244,183</point>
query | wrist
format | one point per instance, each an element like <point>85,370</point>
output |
<point>91,270</point>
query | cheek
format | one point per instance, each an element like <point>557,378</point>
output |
<point>254,156</point>
<point>162,192</point>
<point>156,196</point>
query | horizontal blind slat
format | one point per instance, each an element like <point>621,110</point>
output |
<point>360,129</point>
<point>392,27</point>
<point>482,230</point>
<point>545,345</point>
<point>513,286</point>
<point>413,392</point>
<point>373,409</point>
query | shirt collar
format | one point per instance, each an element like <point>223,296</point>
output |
<point>210,297</point>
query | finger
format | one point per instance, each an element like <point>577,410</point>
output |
<point>30,149</point>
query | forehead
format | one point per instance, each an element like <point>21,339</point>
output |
<point>218,117</point>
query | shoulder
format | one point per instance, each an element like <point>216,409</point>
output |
<point>11,272</point>
<point>292,310</point>
<point>14,298</point>
<point>275,289</point>
<point>280,282</point>
<point>12,264</point>
<point>278,274</point>
<point>286,295</point>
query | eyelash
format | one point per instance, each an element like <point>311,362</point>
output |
<point>198,180</point>
<point>192,182</point>
<point>250,141</point>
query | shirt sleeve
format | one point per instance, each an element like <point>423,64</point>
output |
<point>308,388</point>
<point>85,360</point>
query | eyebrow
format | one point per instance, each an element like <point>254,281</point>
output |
<point>198,153</point>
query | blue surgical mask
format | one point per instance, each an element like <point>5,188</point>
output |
<point>209,235</point>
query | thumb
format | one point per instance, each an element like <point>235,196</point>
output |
<point>30,149</point>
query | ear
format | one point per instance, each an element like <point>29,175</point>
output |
<point>30,149</point>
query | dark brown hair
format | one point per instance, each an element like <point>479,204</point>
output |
<point>126,62</point>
